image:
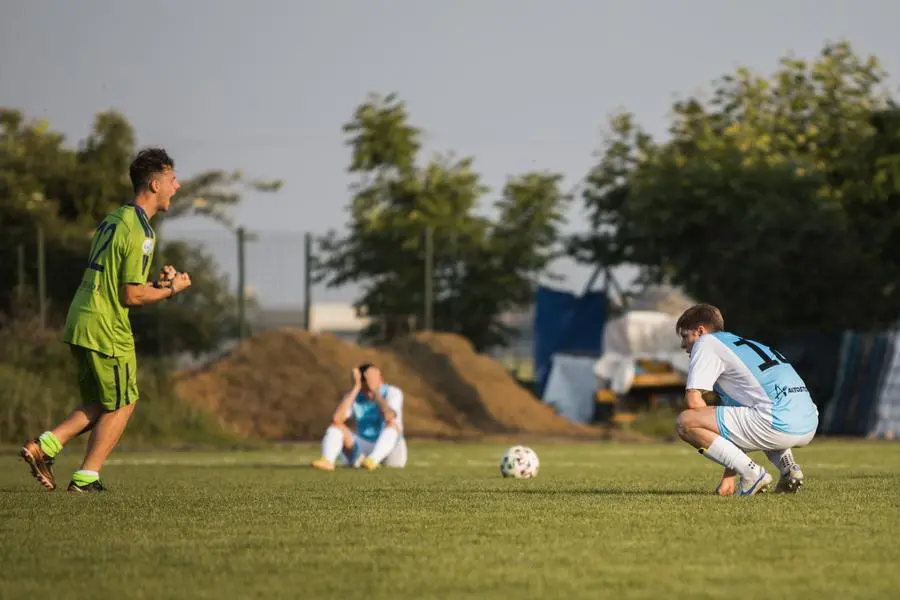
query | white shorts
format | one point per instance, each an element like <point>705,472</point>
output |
<point>395,458</point>
<point>748,429</point>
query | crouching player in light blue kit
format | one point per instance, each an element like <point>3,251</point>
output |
<point>377,409</point>
<point>765,404</point>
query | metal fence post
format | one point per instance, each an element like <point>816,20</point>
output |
<point>42,275</point>
<point>307,281</point>
<point>242,285</point>
<point>429,283</point>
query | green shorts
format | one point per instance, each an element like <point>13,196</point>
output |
<point>109,380</point>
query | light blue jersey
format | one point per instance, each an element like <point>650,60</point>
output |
<point>368,416</point>
<point>745,372</point>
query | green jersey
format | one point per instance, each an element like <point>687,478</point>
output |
<point>121,252</point>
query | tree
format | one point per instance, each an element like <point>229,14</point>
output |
<point>481,268</point>
<point>771,200</point>
<point>67,191</point>
<point>502,270</point>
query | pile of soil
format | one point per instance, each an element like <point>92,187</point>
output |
<point>285,384</point>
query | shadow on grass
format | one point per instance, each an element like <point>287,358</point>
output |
<point>606,492</point>
<point>389,491</point>
<point>457,492</point>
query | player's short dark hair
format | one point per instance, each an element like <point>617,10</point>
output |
<point>148,163</point>
<point>701,314</point>
<point>364,367</point>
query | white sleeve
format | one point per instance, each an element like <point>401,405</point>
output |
<point>394,399</point>
<point>706,366</point>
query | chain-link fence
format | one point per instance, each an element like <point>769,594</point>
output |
<point>264,271</point>
<point>246,282</point>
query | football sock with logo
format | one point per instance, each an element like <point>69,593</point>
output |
<point>384,444</point>
<point>49,444</point>
<point>82,478</point>
<point>783,459</point>
<point>731,457</point>
<point>332,443</point>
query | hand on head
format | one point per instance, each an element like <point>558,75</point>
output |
<point>367,377</point>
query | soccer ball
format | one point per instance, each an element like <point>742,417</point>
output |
<point>519,462</point>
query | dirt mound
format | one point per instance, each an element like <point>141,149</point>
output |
<point>285,385</point>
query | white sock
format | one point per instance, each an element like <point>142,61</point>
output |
<point>783,459</point>
<point>332,443</point>
<point>731,457</point>
<point>384,444</point>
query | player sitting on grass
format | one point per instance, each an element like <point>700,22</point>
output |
<point>765,404</point>
<point>98,329</point>
<point>377,409</point>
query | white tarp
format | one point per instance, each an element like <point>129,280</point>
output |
<point>638,335</point>
<point>571,386</point>
<point>887,409</point>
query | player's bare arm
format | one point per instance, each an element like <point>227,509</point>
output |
<point>387,411</point>
<point>340,415</point>
<point>694,398</point>
<point>144,294</point>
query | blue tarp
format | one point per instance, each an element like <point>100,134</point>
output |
<point>566,323</point>
<point>853,404</point>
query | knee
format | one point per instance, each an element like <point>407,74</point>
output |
<point>684,423</point>
<point>396,462</point>
<point>342,430</point>
<point>398,456</point>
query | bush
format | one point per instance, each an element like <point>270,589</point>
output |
<point>38,388</point>
<point>30,402</point>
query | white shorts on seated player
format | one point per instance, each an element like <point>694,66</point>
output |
<point>749,429</point>
<point>396,458</point>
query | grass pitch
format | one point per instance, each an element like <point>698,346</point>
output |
<point>600,521</point>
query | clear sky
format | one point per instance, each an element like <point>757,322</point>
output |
<point>265,86</point>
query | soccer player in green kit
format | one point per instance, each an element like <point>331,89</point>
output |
<point>98,330</point>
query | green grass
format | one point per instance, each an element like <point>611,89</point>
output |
<point>600,521</point>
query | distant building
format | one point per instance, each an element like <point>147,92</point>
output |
<point>340,319</point>
<point>336,318</point>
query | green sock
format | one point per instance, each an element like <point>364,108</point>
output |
<point>49,444</point>
<point>83,478</point>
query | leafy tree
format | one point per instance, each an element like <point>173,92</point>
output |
<point>481,267</point>
<point>502,269</point>
<point>773,199</point>
<point>67,191</point>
